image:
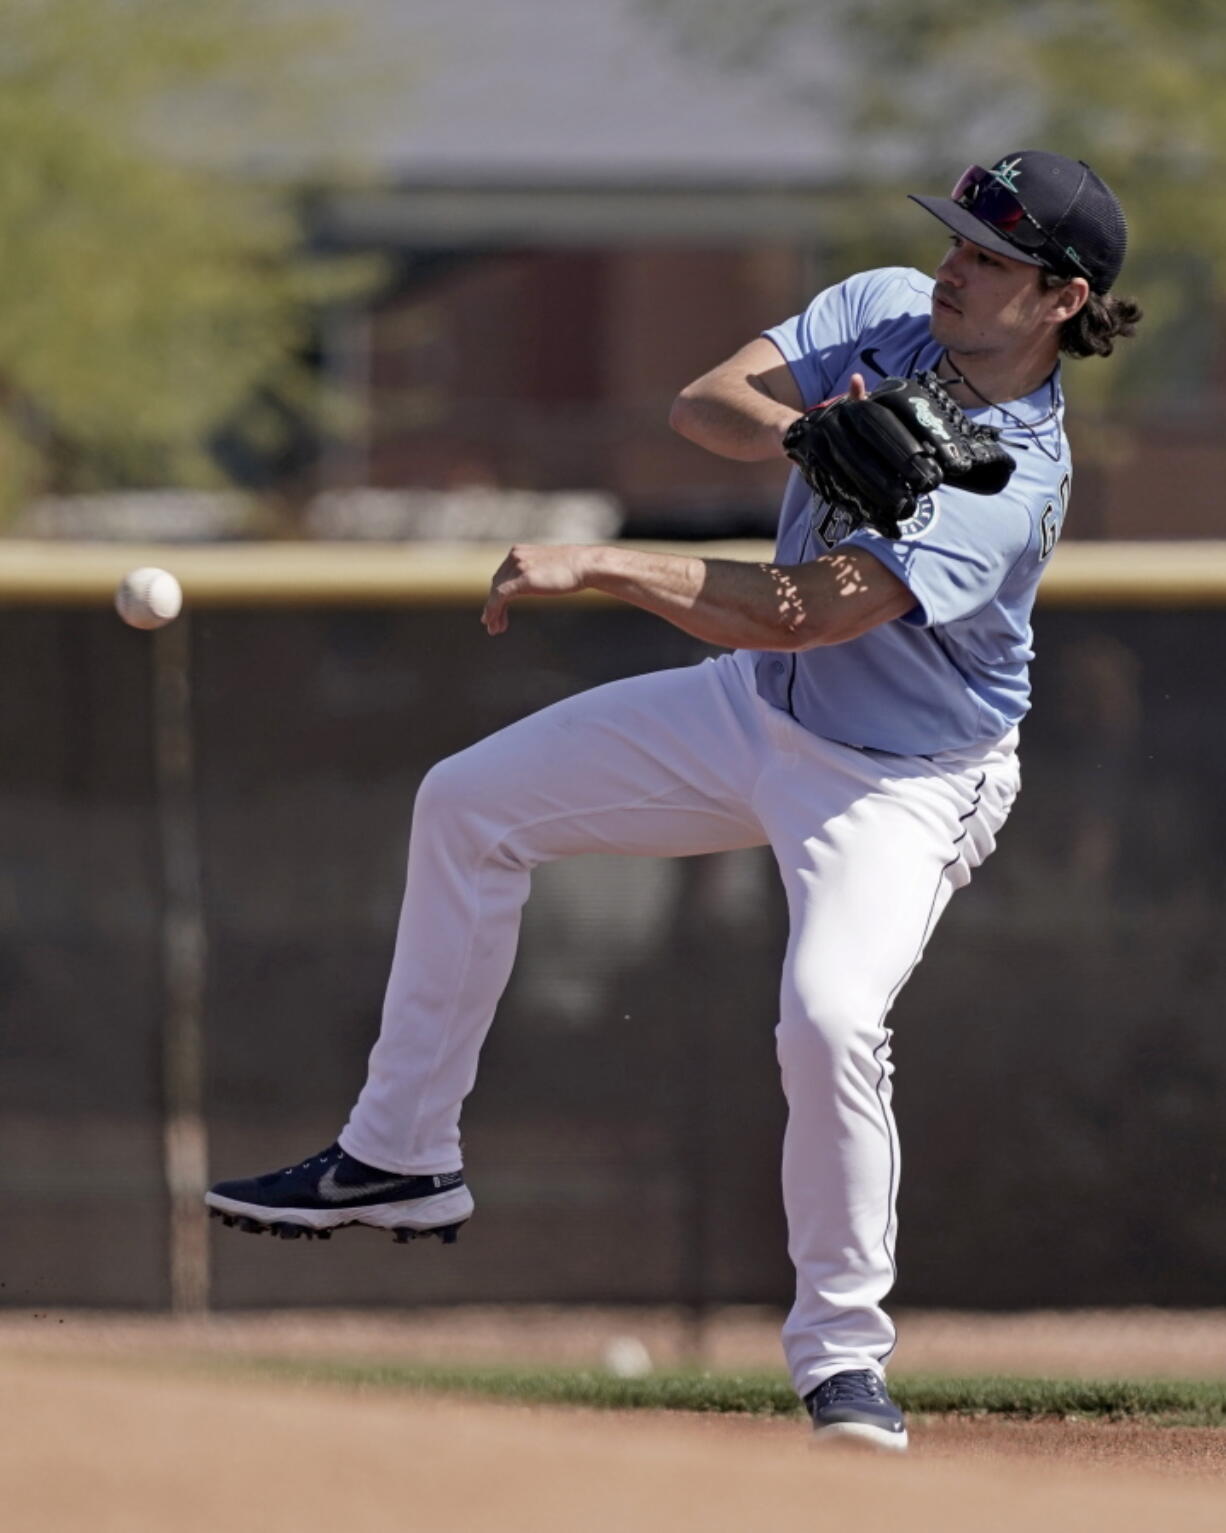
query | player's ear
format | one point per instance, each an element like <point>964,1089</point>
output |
<point>1069,298</point>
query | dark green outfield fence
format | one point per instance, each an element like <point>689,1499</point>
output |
<point>1061,1052</point>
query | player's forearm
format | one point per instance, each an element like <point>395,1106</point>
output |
<point>740,606</point>
<point>721,601</point>
<point>734,418</point>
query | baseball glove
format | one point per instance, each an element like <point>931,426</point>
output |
<point>876,456</point>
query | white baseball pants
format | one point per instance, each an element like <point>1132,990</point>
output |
<point>870,847</point>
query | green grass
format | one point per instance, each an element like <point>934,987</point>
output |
<point>1165,1401</point>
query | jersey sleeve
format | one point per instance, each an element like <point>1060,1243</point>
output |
<point>958,552</point>
<point>819,344</point>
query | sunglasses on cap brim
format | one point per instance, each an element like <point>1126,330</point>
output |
<point>986,197</point>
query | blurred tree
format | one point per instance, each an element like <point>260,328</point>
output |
<point>152,271</point>
<point>1133,86</point>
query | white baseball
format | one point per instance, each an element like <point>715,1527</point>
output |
<point>148,598</point>
<point>626,1357</point>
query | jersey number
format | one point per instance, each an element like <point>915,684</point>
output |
<point>1052,519</point>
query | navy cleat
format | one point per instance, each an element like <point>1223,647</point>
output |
<point>854,1408</point>
<point>333,1189</point>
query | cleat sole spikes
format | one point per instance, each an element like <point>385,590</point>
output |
<point>284,1230</point>
<point>447,1233</point>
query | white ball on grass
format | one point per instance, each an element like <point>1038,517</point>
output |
<point>626,1357</point>
<point>148,598</point>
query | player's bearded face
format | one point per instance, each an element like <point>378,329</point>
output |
<point>984,302</point>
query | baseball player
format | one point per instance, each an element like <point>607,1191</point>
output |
<point>863,723</point>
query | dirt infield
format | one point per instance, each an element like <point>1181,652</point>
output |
<point>108,1432</point>
<point>100,1447</point>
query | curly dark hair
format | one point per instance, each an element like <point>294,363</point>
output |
<point>1093,330</point>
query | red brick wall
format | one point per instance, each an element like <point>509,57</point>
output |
<point>556,371</point>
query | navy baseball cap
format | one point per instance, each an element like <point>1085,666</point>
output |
<point>1039,208</point>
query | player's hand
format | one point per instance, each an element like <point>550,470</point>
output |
<point>856,389</point>
<point>555,569</point>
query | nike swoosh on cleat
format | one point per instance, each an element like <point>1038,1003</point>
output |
<point>331,1193</point>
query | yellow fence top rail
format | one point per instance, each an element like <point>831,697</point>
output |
<point>1159,575</point>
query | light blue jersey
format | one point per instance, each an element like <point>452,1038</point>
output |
<point>953,671</point>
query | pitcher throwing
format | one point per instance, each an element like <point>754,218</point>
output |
<point>864,725</point>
